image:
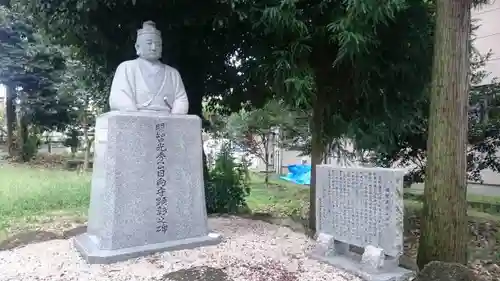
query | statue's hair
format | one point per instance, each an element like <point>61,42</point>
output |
<point>148,27</point>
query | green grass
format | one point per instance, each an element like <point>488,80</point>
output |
<point>413,207</point>
<point>284,198</point>
<point>28,192</point>
<point>483,199</point>
<point>280,198</point>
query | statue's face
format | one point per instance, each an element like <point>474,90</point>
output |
<point>149,46</point>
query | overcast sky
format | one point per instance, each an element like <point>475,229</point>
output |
<point>2,91</point>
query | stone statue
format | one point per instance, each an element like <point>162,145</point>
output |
<point>146,84</point>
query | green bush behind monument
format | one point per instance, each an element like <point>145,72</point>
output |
<point>227,185</point>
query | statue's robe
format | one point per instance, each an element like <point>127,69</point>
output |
<point>130,91</point>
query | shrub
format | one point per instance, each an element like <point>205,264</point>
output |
<point>72,141</point>
<point>30,147</point>
<point>228,184</point>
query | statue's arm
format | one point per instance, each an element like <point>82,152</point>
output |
<point>121,96</point>
<point>181,102</point>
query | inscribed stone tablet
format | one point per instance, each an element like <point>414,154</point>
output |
<point>361,206</point>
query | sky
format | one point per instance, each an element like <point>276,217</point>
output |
<point>2,91</point>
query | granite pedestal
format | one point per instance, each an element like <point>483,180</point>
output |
<point>147,187</point>
<point>361,207</point>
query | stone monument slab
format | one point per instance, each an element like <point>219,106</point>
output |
<point>147,187</point>
<point>361,207</point>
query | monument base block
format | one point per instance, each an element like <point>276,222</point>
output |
<point>148,190</point>
<point>93,255</point>
<point>376,267</point>
<point>352,264</point>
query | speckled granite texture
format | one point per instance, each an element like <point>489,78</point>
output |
<point>147,187</point>
<point>360,207</point>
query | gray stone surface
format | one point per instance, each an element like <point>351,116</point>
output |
<point>352,263</point>
<point>199,273</point>
<point>147,187</point>
<point>373,258</point>
<point>360,207</point>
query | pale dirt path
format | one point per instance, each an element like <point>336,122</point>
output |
<point>251,251</point>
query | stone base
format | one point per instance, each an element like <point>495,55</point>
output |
<point>89,251</point>
<point>352,263</point>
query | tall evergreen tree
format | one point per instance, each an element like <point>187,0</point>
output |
<point>444,222</point>
<point>29,67</point>
<point>341,61</point>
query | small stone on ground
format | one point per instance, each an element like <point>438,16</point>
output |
<point>199,273</point>
<point>251,251</point>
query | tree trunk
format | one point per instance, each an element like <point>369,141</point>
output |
<point>317,152</point>
<point>22,133</point>
<point>195,90</point>
<point>10,119</point>
<point>444,222</point>
<point>316,156</point>
<point>206,171</point>
<point>24,147</point>
<point>86,156</point>
<point>265,141</point>
<point>486,110</point>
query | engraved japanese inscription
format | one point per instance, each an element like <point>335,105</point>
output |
<point>161,198</point>
<point>362,207</point>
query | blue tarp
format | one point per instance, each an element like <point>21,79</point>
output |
<point>299,174</point>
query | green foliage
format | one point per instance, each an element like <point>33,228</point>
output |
<point>72,140</point>
<point>343,61</point>
<point>85,87</point>
<point>198,42</point>
<point>409,147</point>
<point>30,66</point>
<point>352,57</point>
<point>228,184</point>
<point>252,129</point>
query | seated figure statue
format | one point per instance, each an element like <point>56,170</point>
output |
<point>146,84</point>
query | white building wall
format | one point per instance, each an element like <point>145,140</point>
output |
<point>487,36</point>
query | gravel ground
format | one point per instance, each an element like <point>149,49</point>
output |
<point>251,251</point>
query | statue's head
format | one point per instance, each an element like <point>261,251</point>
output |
<point>148,45</point>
